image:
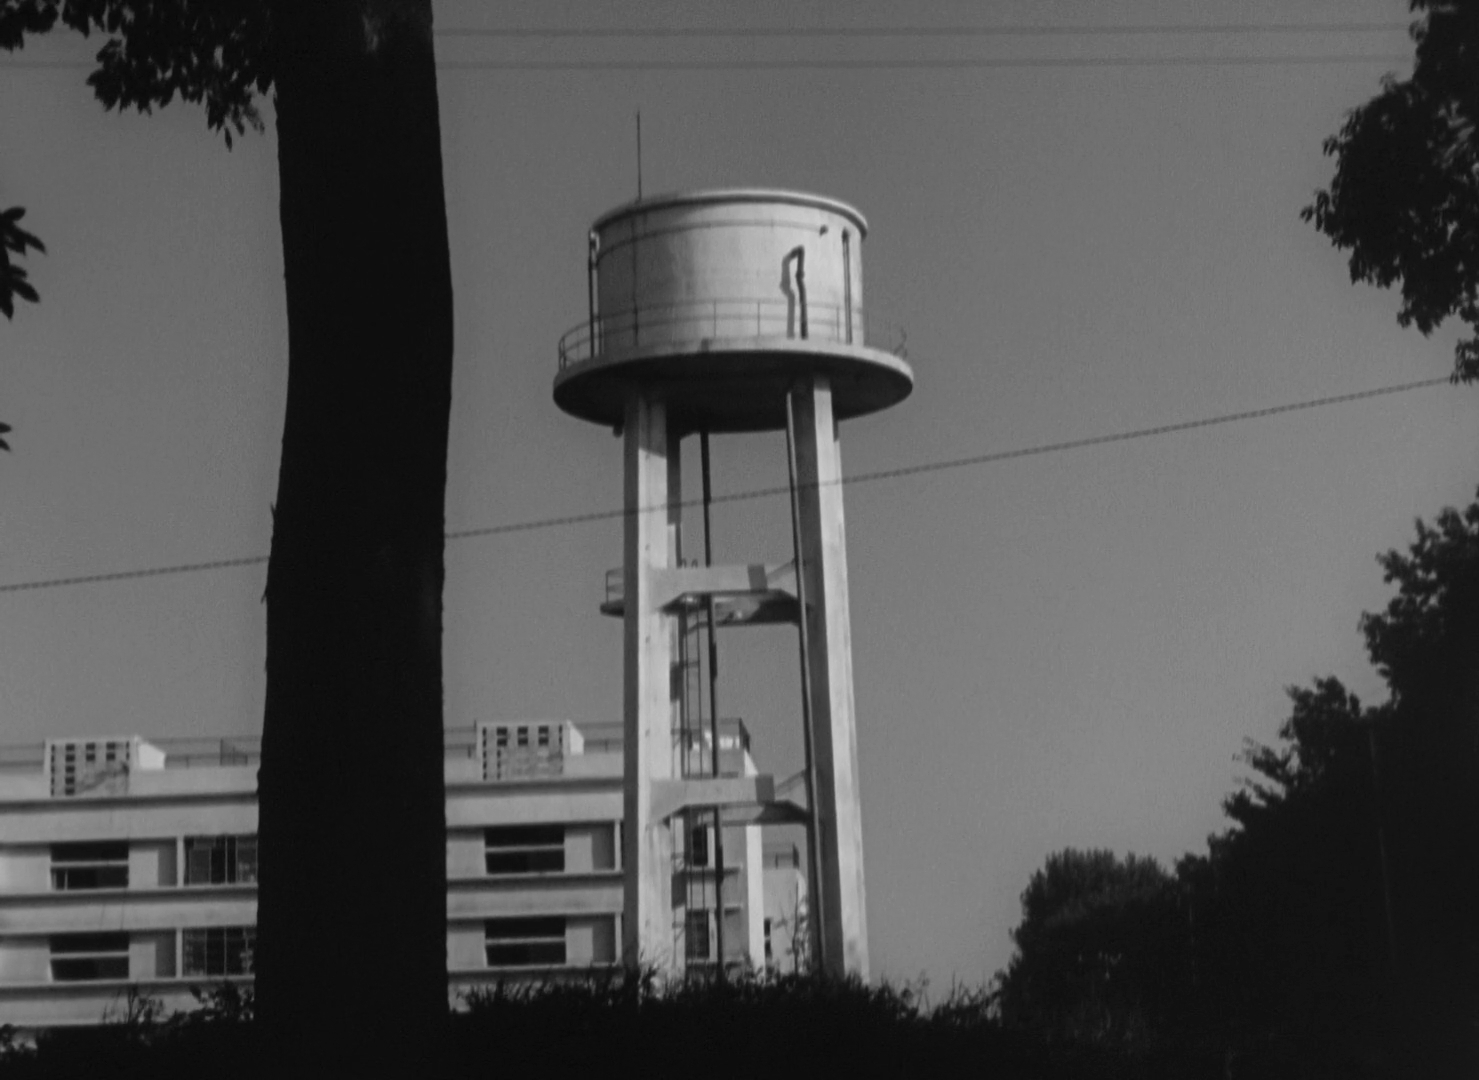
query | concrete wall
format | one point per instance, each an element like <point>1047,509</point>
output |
<point>66,1004</point>
<point>25,960</point>
<point>591,940</point>
<point>24,786</point>
<point>465,849</point>
<point>25,868</point>
<point>196,780</point>
<point>131,909</point>
<point>754,897</point>
<point>464,944</point>
<point>580,941</point>
<point>151,863</point>
<point>590,846</point>
<point>156,817</point>
<point>533,803</point>
<point>151,956</point>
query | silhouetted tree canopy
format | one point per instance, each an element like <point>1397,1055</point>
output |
<point>1286,905</point>
<point>1426,645</point>
<point>1404,200</point>
<point>1333,927</point>
<point>1098,947</point>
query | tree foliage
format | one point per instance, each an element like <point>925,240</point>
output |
<point>214,53</point>
<point>1426,645</point>
<point>14,240</point>
<point>1287,903</point>
<point>218,54</point>
<point>1333,927</point>
<point>1404,200</point>
<point>1097,949</point>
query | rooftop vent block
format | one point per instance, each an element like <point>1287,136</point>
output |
<point>97,766</point>
<point>528,750</point>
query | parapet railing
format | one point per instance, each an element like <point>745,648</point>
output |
<point>184,753</point>
<point>180,752</point>
<point>727,320</point>
<point>606,737</point>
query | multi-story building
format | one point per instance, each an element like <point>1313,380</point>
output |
<point>133,863</point>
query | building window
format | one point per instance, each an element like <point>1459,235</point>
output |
<point>220,860</point>
<point>524,849</point>
<point>698,846</point>
<point>696,935</point>
<point>769,954</point>
<point>513,942</point>
<point>87,957</point>
<point>219,950</point>
<point>101,865</point>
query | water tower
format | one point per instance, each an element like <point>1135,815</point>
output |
<point>718,312</point>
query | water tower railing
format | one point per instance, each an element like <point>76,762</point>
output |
<point>726,320</point>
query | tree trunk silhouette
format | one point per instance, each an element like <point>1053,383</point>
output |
<point>351,958</point>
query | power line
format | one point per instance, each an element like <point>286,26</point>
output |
<point>895,32</point>
<point>991,457</point>
<point>920,64</point>
<point>126,575</point>
<point>915,31</point>
<point>926,64</point>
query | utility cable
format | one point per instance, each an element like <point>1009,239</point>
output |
<point>1012,30</point>
<point>127,575</point>
<point>953,64</point>
<point>895,33</point>
<point>924,64</point>
<point>927,64</point>
<point>990,458</point>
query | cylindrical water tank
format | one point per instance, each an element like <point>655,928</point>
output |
<point>729,265</point>
<point>721,301</point>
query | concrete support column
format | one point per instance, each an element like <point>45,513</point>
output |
<point>648,699</point>
<point>824,553</point>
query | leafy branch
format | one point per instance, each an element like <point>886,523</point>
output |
<point>15,240</point>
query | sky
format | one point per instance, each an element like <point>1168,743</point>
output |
<point>1065,650</point>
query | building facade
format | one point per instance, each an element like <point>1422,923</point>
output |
<point>132,863</point>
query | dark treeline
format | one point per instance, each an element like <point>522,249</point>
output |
<point>754,1025</point>
<point>1333,928</point>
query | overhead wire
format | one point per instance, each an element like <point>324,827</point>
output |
<point>1013,31</point>
<point>905,31</point>
<point>918,64</point>
<point>927,64</point>
<point>917,30</point>
<point>922,468</point>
